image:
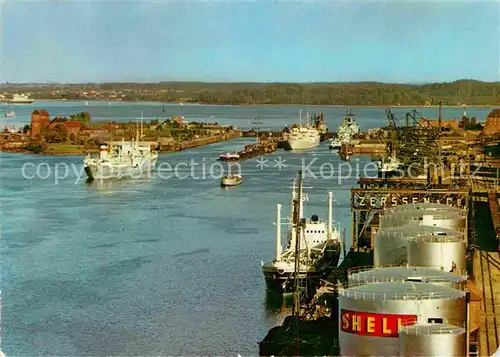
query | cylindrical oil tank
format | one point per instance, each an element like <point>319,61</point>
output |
<point>443,219</point>
<point>371,315</point>
<point>438,251</point>
<point>363,276</point>
<point>390,244</point>
<point>432,340</point>
<point>436,207</point>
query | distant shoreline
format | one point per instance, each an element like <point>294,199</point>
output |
<point>273,104</point>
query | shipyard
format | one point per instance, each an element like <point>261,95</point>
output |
<point>283,178</point>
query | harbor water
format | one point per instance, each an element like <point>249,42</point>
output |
<point>165,265</point>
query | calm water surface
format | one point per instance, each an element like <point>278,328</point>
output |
<point>157,266</point>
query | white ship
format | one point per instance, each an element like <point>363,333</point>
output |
<point>345,132</point>
<point>122,159</point>
<point>19,99</point>
<point>319,248</point>
<point>302,137</point>
<point>389,167</point>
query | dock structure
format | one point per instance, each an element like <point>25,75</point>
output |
<point>257,149</point>
<point>487,275</point>
<point>468,182</point>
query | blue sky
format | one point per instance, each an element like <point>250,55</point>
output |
<point>309,41</point>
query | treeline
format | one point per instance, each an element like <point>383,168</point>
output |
<point>460,92</point>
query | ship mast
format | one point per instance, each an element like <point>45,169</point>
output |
<point>330,214</point>
<point>296,299</point>
<point>278,232</point>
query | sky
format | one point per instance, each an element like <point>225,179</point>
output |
<point>248,41</point>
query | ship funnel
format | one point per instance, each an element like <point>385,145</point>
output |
<point>278,231</point>
<point>330,214</point>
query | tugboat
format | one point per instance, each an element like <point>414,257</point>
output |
<point>315,244</point>
<point>231,180</point>
<point>10,114</point>
<point>229,156</point>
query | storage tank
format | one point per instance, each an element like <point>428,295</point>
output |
<point>370,315</point>
<point>432,340</point>
<point>443,219</point>
<point>436,207</point>
<point>390,244</point>
<point>437,251</point>
<point>362,276</point>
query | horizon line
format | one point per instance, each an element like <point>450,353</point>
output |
<point>244,82</point>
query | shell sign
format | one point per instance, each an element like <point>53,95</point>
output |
<point>372,324</point>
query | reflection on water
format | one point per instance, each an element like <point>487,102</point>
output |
<point>277,302</point>
<point>113,185</point>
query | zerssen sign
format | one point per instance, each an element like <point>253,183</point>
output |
<point>395,200</point>
<point>372,324</point>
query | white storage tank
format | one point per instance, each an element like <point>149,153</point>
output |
<point>432,340</point>
<point>438,251</point>
<point>442,219</point>
<point>362,276</point>
<point>371,315</point>
<point>390,244</point>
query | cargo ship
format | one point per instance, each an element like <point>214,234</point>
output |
<point>312,247</point>
<point>18,99</point>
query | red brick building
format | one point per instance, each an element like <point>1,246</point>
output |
<point>73,126</point>
<point>492,125</point>
<point>39,120</point>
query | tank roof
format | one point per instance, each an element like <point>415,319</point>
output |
<point>436,238</point>
<point>415,229</point>
<point>401,273</point>
<point>401,291</point>
<point>432,329</point>
<point>426,206</point>
<point>414,214</point>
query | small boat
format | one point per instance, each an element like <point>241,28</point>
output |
<point>86,103</point>
<point>231,180</point>
<point>229,156</point>
<point>10,114</point>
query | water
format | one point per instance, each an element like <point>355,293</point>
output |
<point>157,266</point>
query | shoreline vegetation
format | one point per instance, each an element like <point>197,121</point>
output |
<point>79,136</point>
<point>466,92</point>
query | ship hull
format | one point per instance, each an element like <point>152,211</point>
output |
<point>106,172</point>
<point>301,144</point>
<point>28,101</point>
<point>228,182</point>
<point>282,281</point>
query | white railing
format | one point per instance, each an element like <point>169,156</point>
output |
<point>360,269</point>
<point>412,296</point>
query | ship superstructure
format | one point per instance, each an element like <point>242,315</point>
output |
<point>345,132</point>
